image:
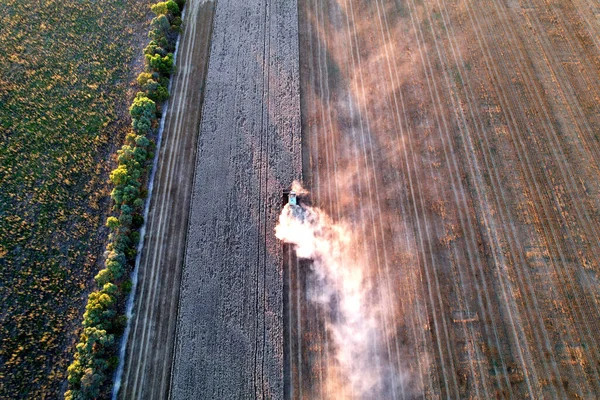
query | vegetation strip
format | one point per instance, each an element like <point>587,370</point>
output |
<point>65,86</point>
<point>103,321</point>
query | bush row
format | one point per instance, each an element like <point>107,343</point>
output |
<point>103,321</point>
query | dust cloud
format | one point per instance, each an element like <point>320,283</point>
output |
<point>338,283</point>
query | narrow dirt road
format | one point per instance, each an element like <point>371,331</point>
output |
<point>151,341</point>
<point>461,140</point>
<point>230,320</point>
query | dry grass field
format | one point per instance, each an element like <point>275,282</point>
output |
<point>229,329</point>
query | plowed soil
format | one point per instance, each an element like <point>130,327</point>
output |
<point>461,137</point>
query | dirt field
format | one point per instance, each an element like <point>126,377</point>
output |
<point>456,140</point>
<point>149,354</point>
<point>460,139</point>
<point>230,321</point>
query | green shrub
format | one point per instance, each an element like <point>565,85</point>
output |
<point>138,220</point>
<point>143,106</point>
<point>176,24</point>
<point>103,277</point>
<point>131,252</point>
<point>119,327</point>
<point>159,8</point>
<point>127,286</point>
<point>164,65</point>
<point>112,223</point>
<point>135,238</point>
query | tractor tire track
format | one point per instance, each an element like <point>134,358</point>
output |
<point>150,347</point>
<point>468,146</point>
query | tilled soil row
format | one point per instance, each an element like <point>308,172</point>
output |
<point>459,138</point>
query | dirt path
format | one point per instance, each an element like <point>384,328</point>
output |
<point>460,139</point>
<point>151,341</point>
<point>230,320</point>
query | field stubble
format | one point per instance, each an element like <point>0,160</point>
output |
<point>461,139</point>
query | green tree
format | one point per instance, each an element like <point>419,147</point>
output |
<point>117,195</point>
<point>120,175</point>
<point>173,8</point>
<point>125,155</point>
<point>160,27</point>
<point>157,92</point>
<point>143,106</point>
<point>99,310</point>
<point>140,154</point>
<point>110,289</point>
<point>144,77</point>
<point>103,277</point>
<point>138,203</point>
<point>141,125</point>
<point>112,223</point>
<point>164,65</point>
<point>91,381</point>
<point>115,262</point>
<point>142,141</point>
<point>159,8</point>
<point>125,219</point>
<point>130,193</point>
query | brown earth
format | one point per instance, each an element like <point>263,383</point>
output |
<point>458,138</point>
<point>461,139</point>
<point>149,353</point>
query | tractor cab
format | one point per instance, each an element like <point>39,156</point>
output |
<point>292,198</point>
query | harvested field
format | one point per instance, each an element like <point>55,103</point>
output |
<point>230,322</point>
<point>151,341</point>
<point>460,140</point>
<point>454,147</point>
